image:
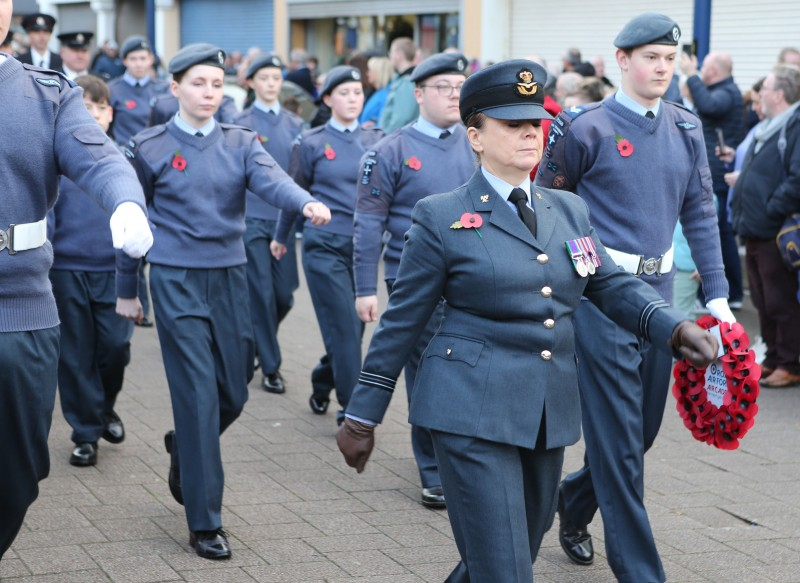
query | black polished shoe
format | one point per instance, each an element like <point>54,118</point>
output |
<point>210,544</point>
<point>114,431</point>
<point>84,454</point>
<point>273,383</point>
<point>174,478</point>
<point>145,323</point>
<point>576,542</point>
<point>433,497</point>
<point>319,405</point>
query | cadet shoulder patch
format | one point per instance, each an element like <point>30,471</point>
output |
<point>369,163</point>
<point>686,125</point>
<point>48,82</point>
<point>575,111</point>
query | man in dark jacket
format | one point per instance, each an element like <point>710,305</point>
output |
<point>767,190</point>
<point>718,102</point>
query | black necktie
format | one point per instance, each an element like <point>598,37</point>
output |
<point>198,134</point>
<point>649,115</point>
<point>520,200</point>
<point>444,135</point>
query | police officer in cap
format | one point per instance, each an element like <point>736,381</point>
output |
<point>498,383</point>
<point>40,28</point>
<point>428,156</point>
<point>639,163</point>
<point>75,53</point>
<point>58,136</point>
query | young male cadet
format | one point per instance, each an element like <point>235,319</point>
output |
<point>35,149</point>
<point>132,93</point>
<point>271,282</point>
<point>429,156</point>
<point>639,163</point>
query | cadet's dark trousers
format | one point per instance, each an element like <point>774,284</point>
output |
<point>421,442</point>
<point>623,385</point>
<point>500,501</point>
<point>730,250</point>
<point>95,349</point>
<point>328,265</point>
<point>773,289</point>
<point>271,284</point>
<point>206,339</point>
<point>28,375</point>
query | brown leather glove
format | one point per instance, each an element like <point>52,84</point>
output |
<point>695,344</point>
<point>355,441</point>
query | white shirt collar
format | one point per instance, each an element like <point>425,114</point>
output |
<point>340,127</point>
<point>43,57</point>
<point>72,75</point>
<point>504,188</point>
<point>275,107</point>
<point>423,126</point>
<point>183,126</point>
<point>132,81</point>
<point>634,106</point>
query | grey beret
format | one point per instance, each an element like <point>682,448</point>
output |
<point>134,43</point>
<point>263,62</point>
<point>339,75</point>
<point>506,90</point>
<point>439,64</point>
<point>650,28</point>
<point>197,54</point>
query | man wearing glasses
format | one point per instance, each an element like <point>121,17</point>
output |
<point>429,156</point>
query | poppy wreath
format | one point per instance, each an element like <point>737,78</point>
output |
<point>723,427</point>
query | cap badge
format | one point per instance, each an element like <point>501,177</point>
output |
<point>676,34</point>
<point>221,57</point>
<point>526,87</point>
<point>79,38</point>
<point>356,75</point>
<point>40,21</point>
<point>461,65</point>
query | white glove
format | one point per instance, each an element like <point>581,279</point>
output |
<point>720,310</point>
<point>130,230</point>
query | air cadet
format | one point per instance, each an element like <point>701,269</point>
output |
<point>132,93</point>
<point>75,58</point>
<point>40,29</point>
<point>325,161</point>
<point>497,386</point>
<point>195,173</point>
<point>35,149</point>
<point>95,341</point>
<point>165,105</point>
<point>429,156</point>
<point>271,282</point>
<point>639,163</point>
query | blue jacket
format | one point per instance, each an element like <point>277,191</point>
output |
<point>505,352</point>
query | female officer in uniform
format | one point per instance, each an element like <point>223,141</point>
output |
<point>195,173</point>
<point>325,161</point>
<point>497,385</point>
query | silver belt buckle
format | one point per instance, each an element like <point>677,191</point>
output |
<point>7,240</point>
<point>650,266</point>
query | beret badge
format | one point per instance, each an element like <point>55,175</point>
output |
<point>676,33</point>
<point>526,86</point>
<point>221,57</point>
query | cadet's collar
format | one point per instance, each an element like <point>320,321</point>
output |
<point>132,81</point>
<point>72,75</point>
<point>185,127</point>
<point>274,108</point>
<point>340,127</point>
<point>423,126</point>
<point>504,188</point>
<point>634,106</point>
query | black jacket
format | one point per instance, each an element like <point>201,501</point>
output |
<point>766,192</point>
<point>719,106</point>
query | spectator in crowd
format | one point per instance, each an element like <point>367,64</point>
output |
<point>299,72</point>
<point>589,90</point>
<point>789,56</point>
<point>107,64</point>
<point>584,69</point>
<point>401,106</point>
<point>567,84</point>
<point>359,60</point>
<point>600,70</point>
<point>75,53</point>
<point>686,284</point>
<point>379,73</point>
<point>40,28</point>
<point>766,191</point>
<point>718,102</point>
<point>571,59</point>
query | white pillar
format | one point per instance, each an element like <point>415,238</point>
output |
<point>495,27</point>
<point>161,31</point>
<point>106,17</point>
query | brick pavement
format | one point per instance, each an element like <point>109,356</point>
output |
<point>297,513</point>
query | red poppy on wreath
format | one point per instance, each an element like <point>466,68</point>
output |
<point>130,104</point>
<point>179,162</point>
<point>719,417</point>
<point>469,221</point>
<point>329,152</point>
<point>624,147</point>
<point>413,162</point>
